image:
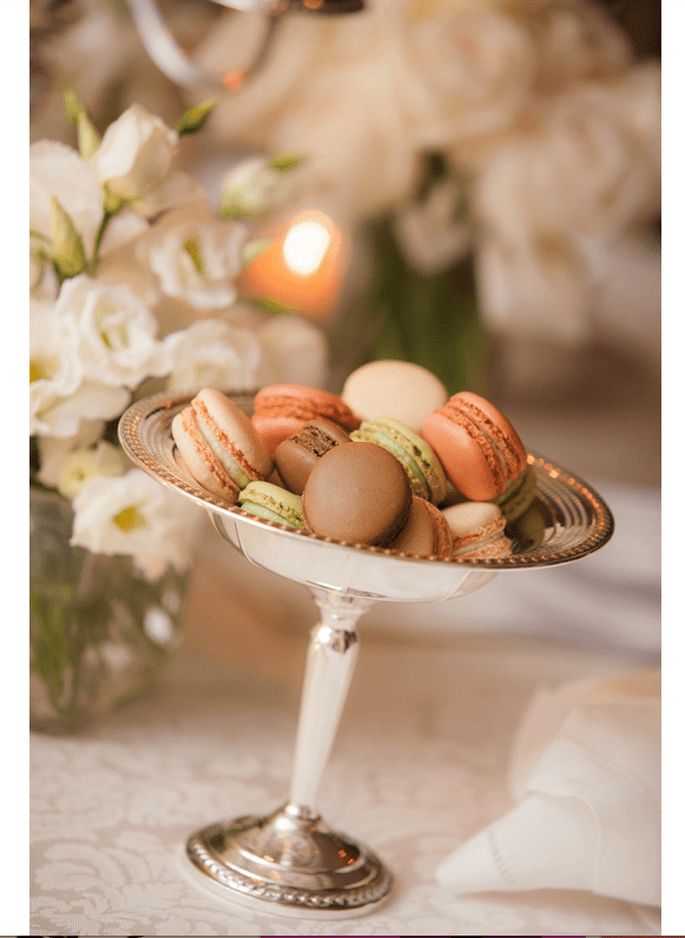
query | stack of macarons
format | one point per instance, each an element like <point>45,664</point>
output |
<point>394,462</point>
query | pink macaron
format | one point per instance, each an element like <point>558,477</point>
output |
<point>219,446</point>
<point>282,409</point>
<point>389,388</point>
<point>477,445</point>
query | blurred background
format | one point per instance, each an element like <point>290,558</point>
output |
<point>484,174</point>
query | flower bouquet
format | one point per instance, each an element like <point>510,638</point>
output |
<point>134,288</point>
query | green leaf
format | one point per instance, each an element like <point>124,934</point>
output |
<point>253,249</point>
<point>73,106</point>
<point>196,117</point>
<point>285,162</point>
<point>270,305</point>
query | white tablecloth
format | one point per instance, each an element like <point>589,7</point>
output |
<point>419,764</point>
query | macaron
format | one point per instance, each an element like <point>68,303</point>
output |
<point>426,533</point>
<point>517,496</point>
<point>477,531</point>
<point>282,409</point>
<point>477,445</point>
<point>357,493</point>
<point>426,475</point>
<point>221,449</point>
<point>271,502</point>
<point>402,390</point>
<point>296,457</point>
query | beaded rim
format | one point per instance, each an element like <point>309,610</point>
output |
<point>579,519</point>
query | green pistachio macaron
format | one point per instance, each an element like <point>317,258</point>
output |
<point>426,475</point>
<point>271,502</point>
<point>517,496</point>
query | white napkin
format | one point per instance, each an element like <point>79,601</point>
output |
<point>585,771</point>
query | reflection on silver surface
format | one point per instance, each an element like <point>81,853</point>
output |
<point>289,858</point>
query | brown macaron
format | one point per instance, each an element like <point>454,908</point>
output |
<point>296,457</point>
<point>426,532</point>
<point>357,493</point>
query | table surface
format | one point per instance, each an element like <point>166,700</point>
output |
<point>418,766</point>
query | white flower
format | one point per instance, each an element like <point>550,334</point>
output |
<point>135,161</point>
<point>213,353</point>
<point>54,450</point>
<point>114,330</point>
<point>556,196</point>
<point>61,395</point>
<point>253,186</point>
<point>83,463</point>
<point>134,515</point>
<point>195,257</point>
<point>431,234</point>
<point>294,351</point>
<point>58,170</point>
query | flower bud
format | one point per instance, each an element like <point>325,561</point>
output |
<point>68,254</point>
<point>195,118</point>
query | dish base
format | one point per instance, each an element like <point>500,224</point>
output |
<point>291,859</point>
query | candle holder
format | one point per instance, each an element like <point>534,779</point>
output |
<point>289,859</point>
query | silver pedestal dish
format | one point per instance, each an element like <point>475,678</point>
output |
<point>289,859</point>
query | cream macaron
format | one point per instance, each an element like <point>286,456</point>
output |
<point>219,445</point>
<point>477,531</point>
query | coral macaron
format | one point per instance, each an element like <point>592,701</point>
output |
<point>477,445</point>
<point>282,409</point>
<point>218,444</point>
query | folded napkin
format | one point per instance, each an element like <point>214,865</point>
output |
<point>585,772</point>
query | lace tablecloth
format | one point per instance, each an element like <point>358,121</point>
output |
<point>418,766</point>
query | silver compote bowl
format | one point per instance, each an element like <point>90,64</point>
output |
<point>289,860</point>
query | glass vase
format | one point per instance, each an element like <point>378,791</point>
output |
<point>100,632</point>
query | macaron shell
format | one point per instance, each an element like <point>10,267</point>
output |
<point>296,457</point>
<point>231,436</point>
<point>493,422</point>
<point>199,459</point>
<point>426,475</point>
<point>298,403</point>
<point>477,530</point>
<point>357,493</point>
<point>469,460</point>
<point>402,390</point>
<point>518,496</point>
<point>272,502</point>
<point>426,532</point>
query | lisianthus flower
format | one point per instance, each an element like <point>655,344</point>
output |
<point>213,353</point>
<point>195,257</point>
<point>135,163</point>
<point>134,515</point>
<point>114,330</point>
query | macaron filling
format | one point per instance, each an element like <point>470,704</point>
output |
<point>426,476</point>
<point>271,503</point>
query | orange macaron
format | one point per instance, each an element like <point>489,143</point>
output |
<point>479,449</point>
<point>282,409</point>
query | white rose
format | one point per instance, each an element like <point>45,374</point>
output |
<point>114,329</point>
<point>134,515</point>
<point>431,233</point>
<point>546,291</point>
<point>195,257</point>
<point>213,353</point>
<point>135,160</point>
